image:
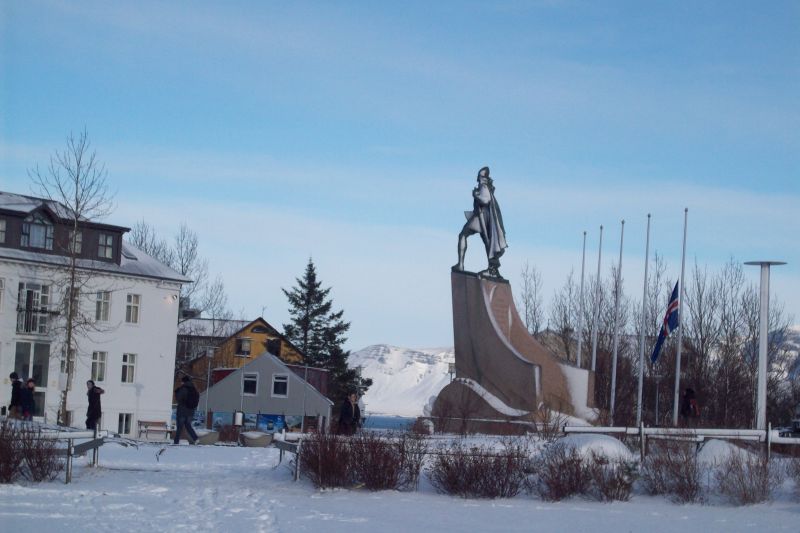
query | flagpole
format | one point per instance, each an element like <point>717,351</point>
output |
<point>643,327</point>
<point>681,294</point>
<point>595,318</point>
<point>580,306</point>
<point>616,325</point>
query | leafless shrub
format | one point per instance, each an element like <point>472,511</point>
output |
<point>549,423</point>
<point>561,472</point>
<point>41,455</point>
<point>672,468</point>
<point>793,471</point>
<point>480,472</point>
<point>412,449</point>
<point>326,459</point>
<point>10,452</point>
<point>612,479</point>
<point>376,461</point>
<point>746,478</point>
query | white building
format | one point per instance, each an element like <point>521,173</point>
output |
<point>127,302</point>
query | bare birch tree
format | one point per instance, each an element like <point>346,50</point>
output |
<point>530,299</point>
<point>75,180</point>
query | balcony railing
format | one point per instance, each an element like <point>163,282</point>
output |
<point>32,321</point>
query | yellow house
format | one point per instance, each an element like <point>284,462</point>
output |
<point>236,351</point>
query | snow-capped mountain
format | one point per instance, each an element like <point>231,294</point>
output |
<point>403,380</point>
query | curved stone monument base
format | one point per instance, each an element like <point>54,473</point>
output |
<point>502,372</point>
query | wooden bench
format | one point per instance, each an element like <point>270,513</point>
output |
<point>146,426</point>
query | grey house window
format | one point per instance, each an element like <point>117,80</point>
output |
<point>280,385</point>
<point>250,384</point>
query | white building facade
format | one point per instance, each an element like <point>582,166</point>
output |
<point>126,304</point>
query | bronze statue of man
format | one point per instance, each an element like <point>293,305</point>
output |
<point>486,219</point>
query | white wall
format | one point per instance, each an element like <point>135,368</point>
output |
<point>152,340</point>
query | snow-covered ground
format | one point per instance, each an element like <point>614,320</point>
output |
<point>221,488</point>
<point>403,380</point>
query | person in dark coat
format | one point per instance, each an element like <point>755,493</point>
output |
<point>689,407</point>
<point>94,411</point>
<point>349,415</point>
<point>14,406</point>
<point>26,402</point>
<point>184,413</point>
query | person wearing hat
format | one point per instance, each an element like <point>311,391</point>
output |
<point>187,398</point>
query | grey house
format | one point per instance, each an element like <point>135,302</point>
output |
<point>270,394</point>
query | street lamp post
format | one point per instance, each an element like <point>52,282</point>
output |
<point>763,333</point>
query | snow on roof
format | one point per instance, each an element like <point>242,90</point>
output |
<point>211,327</point>
<point>134,262</point>
<point>25,204</point>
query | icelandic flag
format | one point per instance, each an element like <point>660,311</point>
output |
<point>671,322</point>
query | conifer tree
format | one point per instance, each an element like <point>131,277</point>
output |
<point>319,332</point>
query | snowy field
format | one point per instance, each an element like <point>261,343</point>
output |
<point>222,488</point>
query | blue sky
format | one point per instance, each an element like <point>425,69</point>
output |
<point>352,132</point>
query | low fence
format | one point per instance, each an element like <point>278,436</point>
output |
<point>766,436</point>
<point>93,440</point>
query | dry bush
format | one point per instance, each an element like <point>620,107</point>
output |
<point>43,462</point>
<point>746,478</point>
<point>412,449</point>
<point>561,472</point>
<point>480,472</point>
<point>326,458</point>
<point>10,452</point>
<point>612,479</point>
<point>672,468</point>
<point>793,471</point>
<point>375,461</point>
<point>382,462</point>
<point>549,424</point>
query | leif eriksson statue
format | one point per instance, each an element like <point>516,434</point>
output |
<point>486,219</point>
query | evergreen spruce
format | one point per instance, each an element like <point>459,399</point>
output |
<point>319,332</point>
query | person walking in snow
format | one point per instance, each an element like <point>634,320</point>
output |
<point>14,408</point>
<point>349,415</point>
<point>187,398</point>
<point>94,411</point>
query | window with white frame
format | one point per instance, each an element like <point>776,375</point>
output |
<point>132,309</point>
<point>2,230</point>
<point>105,246</point>
<point>37,232</point>
<point>124,426</point>
<point>280,385</point>
<point>128,367</point>
<point>99,366</point>
<point>243,347</point>
<point>32,308</point>
<point>75,241</point>
<point>32,359</point>
<point>102,305</point>
<point>250,383</point>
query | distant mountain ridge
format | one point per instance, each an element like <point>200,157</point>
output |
<point>403,379</point>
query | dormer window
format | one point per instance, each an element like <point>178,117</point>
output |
<point>2,230</point>
<point>243,347</point>
<point>37,232</point>
<point>105,246</point>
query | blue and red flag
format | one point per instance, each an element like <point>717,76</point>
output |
<point>671,322</point>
